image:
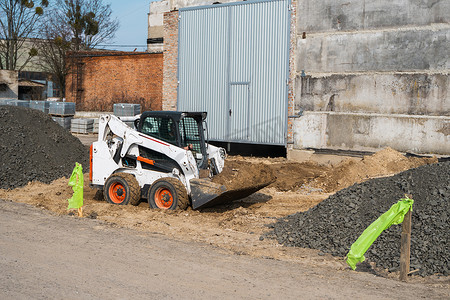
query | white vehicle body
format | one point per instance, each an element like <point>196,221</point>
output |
<point>119,150</point>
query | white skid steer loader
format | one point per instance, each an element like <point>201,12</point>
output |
<point>164,159</point>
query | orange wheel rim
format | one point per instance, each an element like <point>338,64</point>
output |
<point>117,192</point>
<point>163,198</point>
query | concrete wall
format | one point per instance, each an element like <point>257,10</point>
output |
<point>416,94</point>
<point>349,131</point>
<point>110,78</point>
<point>386,61</point>
<point>9,84</point>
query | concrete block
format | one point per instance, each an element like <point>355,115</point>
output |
<point>349,15</point>
<point>91,114</point>
<point>418,94</point>
<point>408,50</point>
<point>299,155</point>
<point>126,109</point>
<point>159,7</point>
<point>352,131</point>
<point>7,101</point>
<point>83,122</point>
<point>62,108</point>
<point>22,103</point>
<point>40,105</point>
<point>65,122</point>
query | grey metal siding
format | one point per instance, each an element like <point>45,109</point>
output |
<point>233,63</point>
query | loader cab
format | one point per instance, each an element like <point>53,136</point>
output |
<point>182,129</point>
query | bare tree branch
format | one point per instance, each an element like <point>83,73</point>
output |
<point>19,20</point>
<point>73,25</point>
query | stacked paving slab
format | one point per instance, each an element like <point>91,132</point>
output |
<point>127,110</point>
<point>40,105</point>
<point>6,101</point>
<point>95,128</point>
<point>84,126</point>
<point>62,113</point>
<point>15,102</point>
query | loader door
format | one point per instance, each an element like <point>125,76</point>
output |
<point>191,133</point>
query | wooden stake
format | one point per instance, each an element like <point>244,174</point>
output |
<point>80,212</point>
<point>405,248</point>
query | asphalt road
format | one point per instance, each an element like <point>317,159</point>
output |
<point>44,256</point>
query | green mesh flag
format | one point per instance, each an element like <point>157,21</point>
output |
<point>76,182</point>
<point>393,216</point>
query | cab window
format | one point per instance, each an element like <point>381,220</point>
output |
<point>162,128</point>
<point>189,134</point>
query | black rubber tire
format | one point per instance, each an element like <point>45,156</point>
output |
<point>99,195</point>
<point>176,189</point>
<point>125,183</point>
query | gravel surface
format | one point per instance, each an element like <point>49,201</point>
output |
<point>35,148</point>
<point>334,224</point>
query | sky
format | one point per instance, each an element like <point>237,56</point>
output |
<point>132,16</point>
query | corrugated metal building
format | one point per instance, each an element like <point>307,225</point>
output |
<point>233,62</point>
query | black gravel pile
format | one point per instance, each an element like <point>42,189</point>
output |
<point>334,224</point>
<point>35,148</point>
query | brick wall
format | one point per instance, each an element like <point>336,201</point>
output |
<point>170,81</point>
<point>104,78</point>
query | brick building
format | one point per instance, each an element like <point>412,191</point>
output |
<point>97,80</point>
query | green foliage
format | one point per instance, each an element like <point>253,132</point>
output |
<point>27,3</point>
<point>33,52</point>
<point>61,43</point>
<point>39,11</point>
<point>91,25</point>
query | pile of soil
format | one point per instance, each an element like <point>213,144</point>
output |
<point>291,176</point>
<point>334,224</point>
<point>241,175</point>
<point>312,176</point>
<point>382,163</point>
<point>35,148</point>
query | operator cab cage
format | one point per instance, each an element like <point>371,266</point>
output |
<point>182,129</point>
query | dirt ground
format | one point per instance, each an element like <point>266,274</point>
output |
<point>46,256</point>
<point>236,227</point>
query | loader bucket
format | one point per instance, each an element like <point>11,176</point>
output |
<point>205,193</point>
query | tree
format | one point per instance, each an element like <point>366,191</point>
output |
<point>73,25</point>
<point>89,22</point>
<point>19,20</point>
<point>52,49</point>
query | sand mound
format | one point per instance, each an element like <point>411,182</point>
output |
<point>238,175</point>
<point>383,163</point>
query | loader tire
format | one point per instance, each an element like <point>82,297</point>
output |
<point>168,193</point>
<point>122,189</point>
